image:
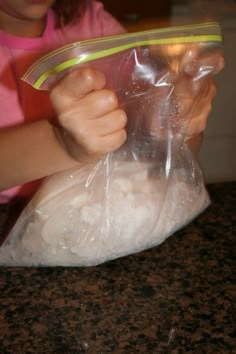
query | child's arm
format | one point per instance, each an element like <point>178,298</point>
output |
<point>30,152</point>
<point>89,126</point>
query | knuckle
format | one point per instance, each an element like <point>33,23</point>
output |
<point>123,136</point>
<point>87,75</point>
<point>123,117</point>
<point>71,75</point>
<point>84,76</point>
<point>112,98</point>
<point>114,142</point>
<point>118,140</point>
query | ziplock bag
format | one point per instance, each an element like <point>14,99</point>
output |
<point>152,186</point>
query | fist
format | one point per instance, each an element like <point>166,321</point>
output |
<point>90,122</point>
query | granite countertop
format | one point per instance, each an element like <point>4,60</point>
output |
<point>175,298</point>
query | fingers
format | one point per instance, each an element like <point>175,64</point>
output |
<point>109,123</point>
<point>197,125</point>
<point>194,59</point>
<point>201,113</point>
<point>89,107</point>
<point>88,149</point>
<point>103,145</point>
<point>90,122</point>
<point>91,131</point>
<point>211,63</point>
<point>75,85</point>
<point>199,64</point>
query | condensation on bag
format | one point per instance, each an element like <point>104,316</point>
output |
<point>142,193</point>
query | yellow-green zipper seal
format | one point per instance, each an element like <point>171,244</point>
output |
<point>119,36</point>
<point>114,50</point>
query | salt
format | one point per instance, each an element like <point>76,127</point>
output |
<point>94,225</point>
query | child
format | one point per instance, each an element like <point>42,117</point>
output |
<point>31,146</point>
<point>42,134</point>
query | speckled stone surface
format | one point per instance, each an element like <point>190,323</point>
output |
<point>176,298</point>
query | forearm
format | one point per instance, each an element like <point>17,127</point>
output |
<point>30,152</point>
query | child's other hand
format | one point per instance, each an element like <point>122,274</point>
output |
<point>90,122</point>
<point>196,91</point>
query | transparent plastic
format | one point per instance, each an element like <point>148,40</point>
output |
<point>152,186</point>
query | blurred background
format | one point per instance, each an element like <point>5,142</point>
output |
<point>218,153</point>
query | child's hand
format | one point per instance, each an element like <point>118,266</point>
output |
<point>90,122</point>
<point>184,93</point>
<point>202,90</point>
<point>195,91</point>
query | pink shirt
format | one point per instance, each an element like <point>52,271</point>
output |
<point>19,102</point>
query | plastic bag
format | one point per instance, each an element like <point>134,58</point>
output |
<point>142,193</point>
